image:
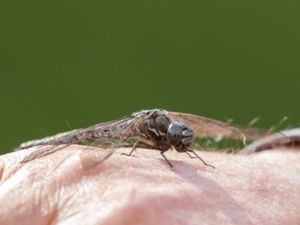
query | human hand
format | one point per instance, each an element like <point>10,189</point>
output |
<point>72,187</point>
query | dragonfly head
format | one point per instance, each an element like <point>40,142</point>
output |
<point>180,136</point>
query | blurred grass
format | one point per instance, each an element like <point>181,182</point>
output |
<point>93,61</point>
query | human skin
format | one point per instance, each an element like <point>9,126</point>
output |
<point>71,186</point>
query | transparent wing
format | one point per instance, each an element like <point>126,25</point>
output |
<point>206,127</point>
<point>41,152</point>
<point>89,157</point>
<point>109,134</point>
<point>119,129</point>
<point>107,145</point>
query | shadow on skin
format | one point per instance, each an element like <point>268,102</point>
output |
<point>225,203</point>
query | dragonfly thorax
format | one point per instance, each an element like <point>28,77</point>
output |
<point>164,132</point>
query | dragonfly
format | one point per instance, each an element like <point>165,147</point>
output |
<point>157,129</point>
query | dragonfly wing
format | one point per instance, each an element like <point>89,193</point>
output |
<point>120,129</point>
<point>89,158</point>
<point>206,127</point>
<point>41,152</point>
<point>108,134</point>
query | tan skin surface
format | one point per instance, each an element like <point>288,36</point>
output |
<point>71,187</point>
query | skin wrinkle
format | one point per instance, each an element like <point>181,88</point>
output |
<point>65,203</point>
<point>68,180</point>
<point>102,197</point>
<point>137,207</point>
<point>262,184</point>
<point>50,208</point>
<point>52,216</point>
<point>120,186</point>
<point>221,195</point>
<point>13,161</point>
<point>44,204</point>
<point>21,204</point>
<point>10,168</point>
<point>134,205</point>
<point>137,178</point>
<point>79,184</point>
<point>38,172</point>
<point>54,201</point>
<point>2,165</point>
<point>194,175</point>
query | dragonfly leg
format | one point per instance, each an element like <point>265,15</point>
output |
<point>139,144</point>
<point>192,157</point>
<point>162,153</point>
<point>197,156</point>
<point>133,148</point>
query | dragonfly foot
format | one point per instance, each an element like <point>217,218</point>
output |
<point>202,160</point>
<point>127,154</point>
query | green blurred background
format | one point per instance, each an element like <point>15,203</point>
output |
<point>84,62</point>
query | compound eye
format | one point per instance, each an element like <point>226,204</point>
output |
<point>174,133</point>
<point>179,135</point>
